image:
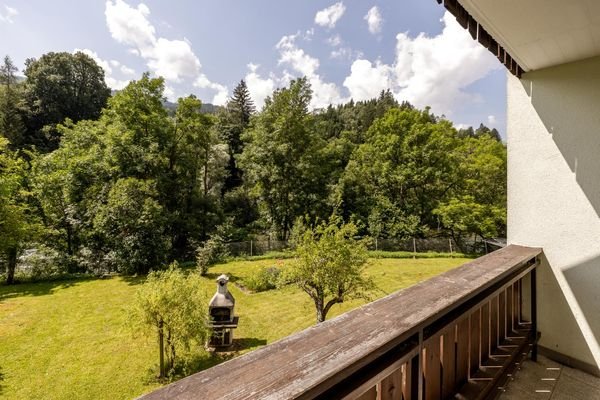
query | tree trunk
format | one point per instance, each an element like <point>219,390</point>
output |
<point>320,312</point>
<point>12,266</point>
<point>161,336</point>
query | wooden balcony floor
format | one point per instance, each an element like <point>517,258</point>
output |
<point>548,380</point>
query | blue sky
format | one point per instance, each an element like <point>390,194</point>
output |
<point>348,49</point>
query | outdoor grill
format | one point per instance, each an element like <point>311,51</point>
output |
<point>222,318</point>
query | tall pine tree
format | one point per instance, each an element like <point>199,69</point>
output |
<point>11,124</point>
<point>233,121</point>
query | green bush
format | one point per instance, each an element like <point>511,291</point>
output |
<point>211,252</point>
<point>263,279</point>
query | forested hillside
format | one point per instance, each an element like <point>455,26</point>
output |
<point>121,183</point>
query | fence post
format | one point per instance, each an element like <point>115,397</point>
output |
<point>414,248</point>
<point>375,243</point>
<point>250,248</point>
<point>450,243</point>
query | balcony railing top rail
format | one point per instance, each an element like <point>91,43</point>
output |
<point>318,361</point>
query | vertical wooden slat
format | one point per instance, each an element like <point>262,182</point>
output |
<point>390,388</point>
<point>502,316</point>
<point>410,390</point>
<point>485,332</point>
<point>462,351</point>
<point>520,299</point>
<point>509,310</point>
<point>517,305</point>
<point>494,324</point>
<point>432,369</point>
<point>449,362</point>
<point>474,341</point>
<point>370,394</point>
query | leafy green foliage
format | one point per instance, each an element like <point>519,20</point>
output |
<point>60,86</point>
<point>174,307</point>
<point>18,224</point>
<point>11,105</point>
<point>282,158</point>
<point>209,253</point>
<point>329,265</point>
<point>131,223</point>
<point>264,279</point>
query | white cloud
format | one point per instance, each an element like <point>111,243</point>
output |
<point>324,93</point>
<point>259,87</point>
<point>427,71</point>
<point>107,66</point>
<point>130,25</point>
<point>374,20</point>
<point>329,16</point>
<point>8,14</point>
<point>220,98</point>
<point>174,60</point>
<point>126,70</point>
<point>491,120</point>
<point>296,57</point>
<point>334,40</point>
<point>367,80</point>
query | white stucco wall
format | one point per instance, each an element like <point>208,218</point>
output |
<point>553,132</point>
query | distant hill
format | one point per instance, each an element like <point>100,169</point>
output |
<point>207,108</point>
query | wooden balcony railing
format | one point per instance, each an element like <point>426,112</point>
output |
<point>453,336</point>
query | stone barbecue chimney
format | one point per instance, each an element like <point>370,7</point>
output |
<point>222,318</point>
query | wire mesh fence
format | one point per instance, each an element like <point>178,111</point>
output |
<point>416,245</point>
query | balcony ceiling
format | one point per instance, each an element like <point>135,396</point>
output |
<point>541,33</point>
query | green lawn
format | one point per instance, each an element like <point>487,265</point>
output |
<point>69,339</point>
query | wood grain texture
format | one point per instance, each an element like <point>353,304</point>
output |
<point>306,364</point>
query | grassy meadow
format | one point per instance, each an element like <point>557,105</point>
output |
<point>70,339</point>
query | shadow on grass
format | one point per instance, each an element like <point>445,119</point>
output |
<point>133,279</point>
<point>247,343</point>
<point>37,288</point>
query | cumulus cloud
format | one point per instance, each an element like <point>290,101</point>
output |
<point>8,14</point>
<point>258,86</point>
<point>329,16</point>
<point>324,93</point>
<point>367,80</point>
<point>374,20</point>
<point>220,97</point>
<point>109,69</point>
<point>427,71</point>
<point>491,120</point>
<point>174,60</point>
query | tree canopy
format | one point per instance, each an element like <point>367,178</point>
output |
<point>127,183</point>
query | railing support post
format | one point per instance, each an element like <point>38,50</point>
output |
<point>421,370</point>
<point>534,347</point>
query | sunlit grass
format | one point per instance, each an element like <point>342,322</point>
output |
<point>70,340</point>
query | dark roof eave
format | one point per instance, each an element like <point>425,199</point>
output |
<point>482,36</point>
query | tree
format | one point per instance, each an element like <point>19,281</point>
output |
<point>174,307</point>
<point>132,224</point>
<point>233,121</point>
<point>329,265</point>
<point>476,206</point>
<point>60,86</point>
<point>282,159</point>
<point>405,167</point>
<point>11,123</point>
<point>18,224</point>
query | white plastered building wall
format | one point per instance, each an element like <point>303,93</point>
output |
<point>553,136</point>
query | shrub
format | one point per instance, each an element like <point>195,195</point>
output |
<point>173,306</point>
<point>263,279</point>
<point>210,253</point>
